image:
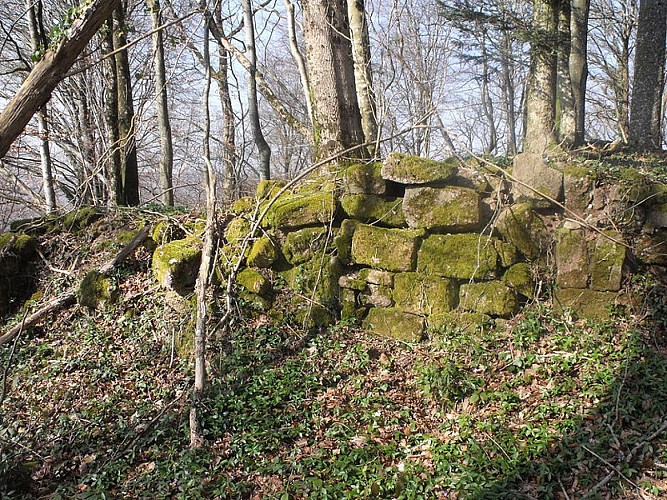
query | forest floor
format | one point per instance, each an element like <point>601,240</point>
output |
<point>543,406</point>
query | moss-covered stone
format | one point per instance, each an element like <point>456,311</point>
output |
<point>377,277</point>
<point>507,253</point>
<point>531,170</point>
<point>520,278</point>
<point>254,282</point>
<point>305,244</point>
<point>607,263</point>
<point>244,206</point>
<point>263,253</point>
<point>572,262</point>
<point>176,264</point>
<point>652,248</point>
<point>343,241</point>
<point>586,303</point>
<point>293,212</point>
<point>457,320</point>
<point>237,229</point>
<point>319,275</point>
<point>578,188</point>
<point>389,249</point>
<point>16,270</point>
<point>395,323</point>
<point>267,189</point>
<point>522,226</point>
<point>314,316</point>
<point>492,297</point>
<point>81,218</point>
<point>449,208</point>
<point>352,281</point>
<point>376,296</point>
<point>350,307</point>
<point>407,169</point>
<point>95,290</point>
<point>364,178</point>
<point>254,301</point>
<point>166,231</point>
<point>461,256</point>
<point>374,209</point>
<point>657,216</point>
<point>424,294</point>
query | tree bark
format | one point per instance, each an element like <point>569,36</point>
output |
<point>337,119</point>
<point>128,182</point>
<point>49,71</point>
<point>361,55</point>
<point>253,107</point>
<point>112,156</point>
<point>645,107</point>
<point>565,106</point>
<point>162,101</point>
<point>298,58</point>
<point>541,87</point>
<point>508,91</point>
<point>579,64</point>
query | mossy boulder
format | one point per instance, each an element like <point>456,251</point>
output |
<point>586,303</point>
<point>176,264</point>
<point>449,208</point>
<point>319,276</point>
<point>297,211</point>
<point>520,278</point>
<point>166,231</point>
<point>461,256</point>
<point>263,253</point>
<point>267,189</point>
<point>388,249</point>
<point>608,262</point>
<point>81,218</point>
<point>572,261</point>
<point>507,253</point>
<point>406,169</point>
<point>457,320</point>
<point>305,244</point>
<point>531,170</point>
<point>395,323</point>
<point>254,282</point>
<point>492,297</point>
<point>237,230</point>
<point>376,296</point>
<point>377,277</point>
<point>343,241</point>
<point>424,294</point>
<point>244,205</point>
<point>523,227</point>
<point>374,209</point>
<point>95,290</point>
<point>365,178</point>
<point>16,270</point>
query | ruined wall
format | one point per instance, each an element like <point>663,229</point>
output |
<point>411,243</point>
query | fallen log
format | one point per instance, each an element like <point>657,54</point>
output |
<point>69,297</point>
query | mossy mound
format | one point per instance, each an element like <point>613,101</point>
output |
<point>237,230</point>
<point>461,256</point>
<point>263,253</point>
<point>95,290</point>
<point>406,169</point>
<point>373,209</point>
<point>493,298</point>
<point>388,249</point>
<point>424,294</point>
<point>254,282</point>
<point>244,206</point>
<point>166,231</point>
<point>395,323</point>
<point>449,208</point>
<point>176,264</point>
<point>268,189</point>
<point>317,278</point>
<point>81,218</point>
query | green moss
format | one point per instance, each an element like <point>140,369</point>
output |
<point>321,275</point>
<point>424,294</point>
<point>507,253</point>
<point>492,297</point>
<point>576,171</point>
<point>585,303</point>
<point>94,290</point>
<point>395,323</point>
<point>176,264</point>
<point>520,278</point>
<point>523,227</point>
<point>19,245</point>
<point>305,244</point>
<point>607,263</point>
<point>352,282</point>
<point>457,320</point>
<point>80,218</point>
<point>255,282</point>
<point>237,230</point>
<point>407,169</point>
<point>374,209</point>
<point>267,189</point>
<point>166,231</point>
<point>244,206</point>
<point>343,242</point>
<point>263,253</point>
<point>461,256</point>
<point>364,178</point>
<point>454,209</point>
<point>350,307</point>
<point>314,317</point>
<point>297,211</point>
<point>388,249</point>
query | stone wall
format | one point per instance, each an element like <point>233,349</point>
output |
<point>412,243</point>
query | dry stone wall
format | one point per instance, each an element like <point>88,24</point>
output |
<point>411,243</point>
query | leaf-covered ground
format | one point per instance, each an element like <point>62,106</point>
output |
<point>543,406</point>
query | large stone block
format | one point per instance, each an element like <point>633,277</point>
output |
<point>263,253</point>
<point>461,256</point>
<point>532,170</point>
<point>572,262</point>
<point>492,297</point>
<point>520,278</point>
<point>578,189</point>
<point>304,244</point>
<point>365,179</point>
<point>586,303</point>
<point>522,226</point>
<point>374,209</point>
<point>176,264</point>
<point>449,208</point>
<point>395,323</point>
<point>406,169</point>
<point>296,211</point>
<point>317,278</point>
<point>424,294</point>
<point>388,249</point>
<point>457,320</point>
<point>607,263</point>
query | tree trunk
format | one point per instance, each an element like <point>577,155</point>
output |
<point>253,108</point>
<point>128,184</point>
<point>508,91</point>
<point>565,107</point>
<point>645,107</point>
<point>49,71</point>
<point>579,65</point>
<point>298,58</point>
<point>487,103</point>
<point>541,87</point>
<point>361,55</point>
<point>337,120</point>
<point>112,157</point>
<point>162,101</point>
